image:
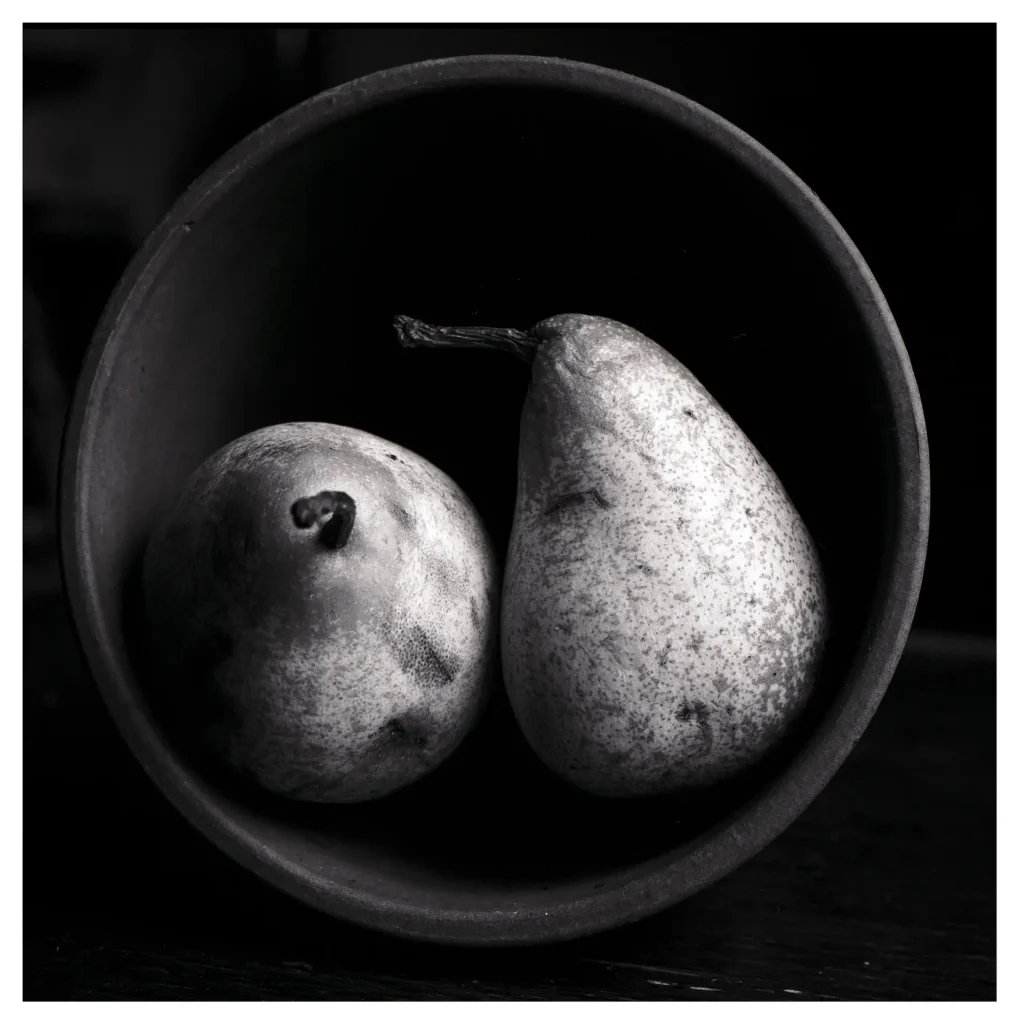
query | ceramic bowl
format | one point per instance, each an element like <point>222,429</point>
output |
<point>499,190</point>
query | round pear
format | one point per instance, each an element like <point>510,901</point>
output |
<point>321,606</point>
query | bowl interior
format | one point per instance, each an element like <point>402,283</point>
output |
<point>490,205</point>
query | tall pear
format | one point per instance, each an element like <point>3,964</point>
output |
<point>664,610</point>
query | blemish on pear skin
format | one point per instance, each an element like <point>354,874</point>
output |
<point>698,711</point>
<point>406,731</point>
<point>401,515</point>
<point>576,499</point>
<point>419,657</point>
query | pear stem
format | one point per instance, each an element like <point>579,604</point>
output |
<point>416,333</point>
<point>335,510</point>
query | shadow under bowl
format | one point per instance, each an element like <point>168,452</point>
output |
<point>497,190</point>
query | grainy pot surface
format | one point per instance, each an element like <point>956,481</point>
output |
<point>497,190</point>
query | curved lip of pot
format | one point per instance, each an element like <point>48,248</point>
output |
<point>642,889</point>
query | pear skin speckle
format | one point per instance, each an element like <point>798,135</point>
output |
<point>664,612</point>
<point>324,675</point>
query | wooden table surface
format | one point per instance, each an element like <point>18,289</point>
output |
<point>883,889</point>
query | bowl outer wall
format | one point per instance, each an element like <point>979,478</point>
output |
<point>672,876</point>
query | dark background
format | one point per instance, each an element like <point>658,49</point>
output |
<point>894,128</point>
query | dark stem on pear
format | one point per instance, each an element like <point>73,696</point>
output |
<point>335,510</point>
<point>416,333</point>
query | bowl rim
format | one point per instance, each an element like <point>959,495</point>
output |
<point>672,876</point>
